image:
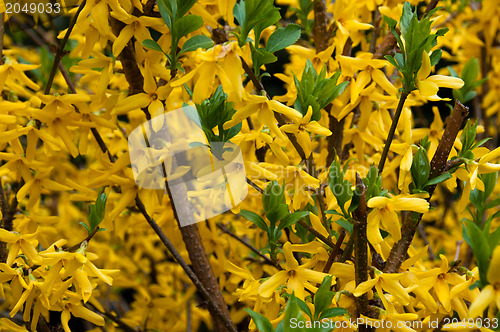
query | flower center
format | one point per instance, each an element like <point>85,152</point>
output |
<point>292,273</point>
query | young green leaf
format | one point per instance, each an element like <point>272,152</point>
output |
<point>187,24</point>
<point>196,42</point>
<point>283,37</point>
<point>255,218</point>
<point>263,324</point>
<point>149,43</point>
<point>292,218</point>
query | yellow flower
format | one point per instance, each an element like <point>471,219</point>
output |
<point>385,281</point>
<point>439,279</point>
<point>151,97</point>
<point>265,109</point>
<point>300,130</point>
<point>491,293</point>
<point>19,242</point>
<point>384,210</point>
<point>429,85</point>
<point>483,166</point>
<point>296,277</point>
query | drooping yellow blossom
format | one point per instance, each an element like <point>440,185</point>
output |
<point>428,86</point>
<point>301,129</point>
<point>384,211</point>
<point>295,276</point>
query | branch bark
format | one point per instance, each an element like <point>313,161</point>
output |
<point>438,166</point>
<point>361,252</point>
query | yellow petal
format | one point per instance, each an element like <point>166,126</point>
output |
<point>482,301</point>
<point>315,128</point>
<point>364,287</point>
<point>425,69</point>
<point>427,88</point>
<point>285,110</point>
<point>443,293</point>
<point>493,275</point>
<point>133,102</point>
<point>446,81</point>
<point>269,286</point>
<point>291,262</point>
<point>317,225</point>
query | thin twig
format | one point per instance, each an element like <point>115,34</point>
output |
<point>256,187</point>
<point>334,253</point>
<point>60,50</point>
<point>311,230</point>
<point>2,30</point>
<point>390,136</point>
<point>121,324</point>
<point>267,260</point>
<point>87,239</point>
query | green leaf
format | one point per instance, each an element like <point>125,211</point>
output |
<point>283,37</point>
<point>255,218</point>
<point>261,57</point>
<point>101,206</point>
<point>277,213</point>
<point>86,227</point>
<point>332,312</point>
<point>481,249</point>
<point>183,6</point>
<point>263,324</point>
<point>391,59</point>
<point>149,43</point>
<point>436,56</point>
<point>323,297</point>
<point>165,12</point>
<point>185,25</point>
<point>273,196</point>
<point>196,42</point>
<point>292,311</point>
<point>196,144</point>
<point>344,223</point>
<point>438,179</point>
<point>292,218</point>
<point>305,308</point>
<point>470,71</point>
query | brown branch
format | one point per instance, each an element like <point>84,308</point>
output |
<point>267,260</point>
<point>361,251</point>
<point>320,29</point>
<point>334,253</point>
<point>438,167</point>
<point>334,141</point>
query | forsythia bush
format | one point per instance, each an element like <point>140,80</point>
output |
<point>372,193</point>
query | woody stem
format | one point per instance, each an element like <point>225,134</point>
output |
<point>390,136</point>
